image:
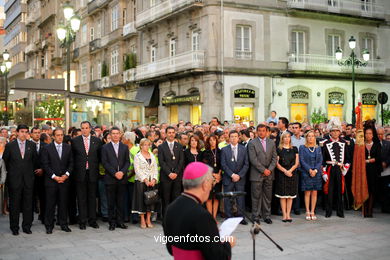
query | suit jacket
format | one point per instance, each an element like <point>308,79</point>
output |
<point>52,164</point>
<point>113,164</point>
<point>261,160</point>
<point>80,158</point>
<point>167,163</point>
<point>20,170</point>
<point>230,166</point>
<point>39,152</point>
<point>386,152</point>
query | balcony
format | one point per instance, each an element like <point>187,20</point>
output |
<point>30,48</point>
<point>105,82</point>
<point>243,55</point>
<point>349,7</point>
<point>322,63</point>
<point>181,62</point>
<point>94,45</point>
<point>30,74</point>
<point>33,16</point>
<point>95,5</point>
<point>95,85</point>
<point>165,9</point>
<point>104,41</point>
<point>129,29</point>
<point>129,75</point>
<point>18,68</point>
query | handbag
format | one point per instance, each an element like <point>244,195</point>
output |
<point>151,196</point>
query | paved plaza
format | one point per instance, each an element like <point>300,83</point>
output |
<point>350,238</point>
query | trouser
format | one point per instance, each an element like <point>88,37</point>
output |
<point>20,200</point>
<point>86,198</point>
<point>72,200</point>
<point>170,190</point>
<point>234,186</point>
<point>115,199</point>
<point>102,198</point>
<point>261,198</point>
<point>334,193</point>
<point>57,195</point>
<point>39,196</point>
<point>128,199</point>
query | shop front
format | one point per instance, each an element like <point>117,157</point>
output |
<point>245,101</point>
<point>185,106</point>
<point>299,104</point>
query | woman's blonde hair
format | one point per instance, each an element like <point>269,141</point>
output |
<point>143,141</point>
<point>281,143</point>
<point>306,135</point>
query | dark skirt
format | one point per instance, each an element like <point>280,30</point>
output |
<point>216,189</point>
<point>286,187</point>
<point>138,205</point>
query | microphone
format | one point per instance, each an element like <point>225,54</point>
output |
<point>230,194</point>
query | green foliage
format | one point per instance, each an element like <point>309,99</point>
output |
<point>23,116</point>
<point>130,61</point>
<point>104,70</point>
<point>386,115</point>
<point>318,116</point>
<point>53,107</point>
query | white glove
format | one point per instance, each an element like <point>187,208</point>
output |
<point>344,172</point>
<point>325,177</point>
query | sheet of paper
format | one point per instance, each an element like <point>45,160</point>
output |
<point>228,226</point>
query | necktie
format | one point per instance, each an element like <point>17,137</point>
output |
<point>86,145</point>
<point>264,145</point>
<point>116,149</point>
<point>22,149</point>
<point>59,150</point>
<point>171,147</point>
<point>235,152</point>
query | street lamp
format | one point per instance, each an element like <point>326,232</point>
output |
<point>5,67</point>
<point>66,33</point>
<point>352,61</point>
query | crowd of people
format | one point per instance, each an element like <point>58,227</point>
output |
<point>77,176</point>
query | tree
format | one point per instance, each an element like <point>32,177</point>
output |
<point>130,61</point>
<point>53,107</point>
<point>318,117</point>
<point>386,115</point>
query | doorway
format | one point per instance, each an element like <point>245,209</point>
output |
<point>299,113</point>
<point>243,113</point>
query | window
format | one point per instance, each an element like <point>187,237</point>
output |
<point>114,17</point>
<point>99,28</point>
<point>172,47</point>
<point>84,34</point>
<point>124,16</point>
<point>298,45</point>
<point>99,70</point>
<point>153,54</point>
<point>333,43</point>
<point>366,5</point>
<point>368,43</point>
<point>83,73</point>
<point>243,42</point>
<point>195,41</point>
<point>333,3</point>
<point>91,34</point>
<point>114,62</point>
<point>91,74</point>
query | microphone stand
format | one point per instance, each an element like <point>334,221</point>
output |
<point>255,229</point>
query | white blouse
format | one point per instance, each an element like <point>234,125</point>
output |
<point>144,170</point>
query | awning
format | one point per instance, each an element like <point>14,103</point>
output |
<point>18,94</point>
<point>144,94</point>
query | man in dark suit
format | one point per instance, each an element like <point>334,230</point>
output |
<point>86,157</point>
<point>20,157</point>
<point>234,162</point>
<point>57,161</point>
<point>171,159</point>
<point>262,157</point>
<point>384,179</point>
<point>39,187</point>
<point>116,162</point>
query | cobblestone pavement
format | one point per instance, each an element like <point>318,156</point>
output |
<point>351,238</point>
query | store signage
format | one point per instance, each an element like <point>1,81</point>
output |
<point>299,94</point>
<point>173,100</point>
<point>369,99</point>
<point>244,93</point>
<point>336,98</point>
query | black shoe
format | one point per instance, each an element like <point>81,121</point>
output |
<point>49,231</point>
<point>289,220</point>
<point>268,221</point>
<point>122,226</point>
<point>66,228</point>
<point>111,227</point>
<point>15,232</point>
<point>341,215</point>
<point>243,222</point>
<point>284,220</point>
<point>94,225</point>
<point>27,231</point>
<point>104,219</point>
<point>297,212</point>
<point>82,226</point>
<point>328,214</point>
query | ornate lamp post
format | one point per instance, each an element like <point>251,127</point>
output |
<point>352,61</point>
<point>5,67</point>
<point>66,33</point>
